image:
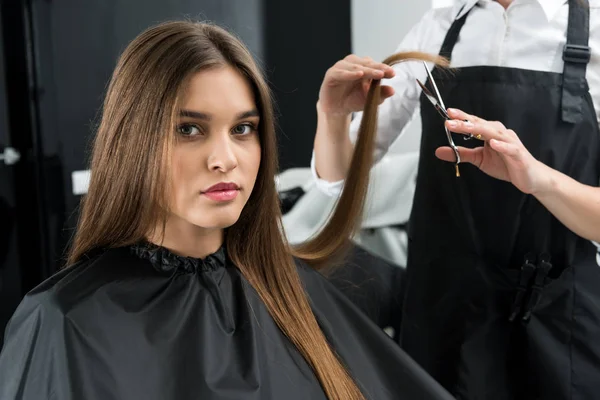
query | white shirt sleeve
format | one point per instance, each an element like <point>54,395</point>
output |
<point>397,111</point>
<point>332,189</point>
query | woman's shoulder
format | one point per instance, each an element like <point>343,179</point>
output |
<point>74,284</point>
<point>370,283</point>
<point>334,290</point>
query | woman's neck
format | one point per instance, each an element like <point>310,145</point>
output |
<point>505,3</point>
<point>187,239</point>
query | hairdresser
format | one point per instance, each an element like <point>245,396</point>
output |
<point>502,294</point>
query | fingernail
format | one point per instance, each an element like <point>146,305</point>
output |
<point>452,124</point>
<point>452,110</point>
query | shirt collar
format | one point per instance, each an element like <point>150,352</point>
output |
<point>550,7</point>
<point>465,7</point>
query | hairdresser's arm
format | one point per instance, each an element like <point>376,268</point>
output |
<point>333,148</point>
<point>576,205</point>
<point>504,157</point>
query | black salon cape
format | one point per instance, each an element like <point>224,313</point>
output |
<point>144,324</point>
<point>373,284</point>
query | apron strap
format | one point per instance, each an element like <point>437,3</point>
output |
<point>576,55</point>
<point>452,35</point>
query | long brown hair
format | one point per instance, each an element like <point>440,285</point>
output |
<point>127,190</point>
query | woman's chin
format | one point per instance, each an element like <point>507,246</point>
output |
<point>217,220</point>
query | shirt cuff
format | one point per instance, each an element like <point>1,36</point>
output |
<point>331,189</point>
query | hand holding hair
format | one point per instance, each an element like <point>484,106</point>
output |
<point>354,84</point>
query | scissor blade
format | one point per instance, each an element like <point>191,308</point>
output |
<point>437,92</point>
<point>433,101</point>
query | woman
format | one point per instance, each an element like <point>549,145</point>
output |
<point>180,284</point>
<point>500,296</point>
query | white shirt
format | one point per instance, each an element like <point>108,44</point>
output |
<point>529,34</point>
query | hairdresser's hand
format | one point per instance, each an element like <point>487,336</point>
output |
<point>502,156</point>
<point>345,86</point>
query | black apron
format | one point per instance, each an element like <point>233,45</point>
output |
<point>503,301</point>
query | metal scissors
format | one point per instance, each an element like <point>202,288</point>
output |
<point>439,105</point>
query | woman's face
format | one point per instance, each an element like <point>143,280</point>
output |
<point>217,153</point>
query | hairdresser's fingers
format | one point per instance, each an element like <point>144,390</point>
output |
<point>370,63</point>
<point>334,76</point>
<point>472,156</point>
<point>455,113</point>
<point>481,129</point>
<point>385,92</point>
<point>344,72</point>
<point>369,73</point>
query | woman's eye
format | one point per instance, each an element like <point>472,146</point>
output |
<point>188,130</point>
<point>244,129</point>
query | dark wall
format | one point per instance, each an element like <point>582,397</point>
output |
<point>302,40</point>
<point>10,274</point>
